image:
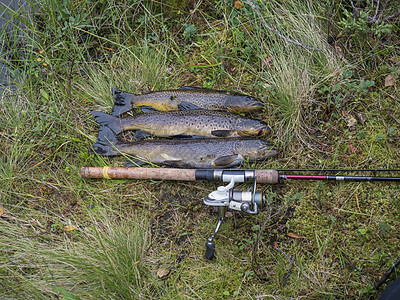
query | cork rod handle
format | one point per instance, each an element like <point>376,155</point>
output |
<point>139,173</point>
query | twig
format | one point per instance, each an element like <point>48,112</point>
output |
<point>174,263</point>
<point>290,268</point>
<point>263,296</point>
<point>376,18</point>
<point>356,12</point>
<point>391,17</point>
<point>387,274</point>
<point>348,260</point>
<point>376,11</point>
<point>275,31</point>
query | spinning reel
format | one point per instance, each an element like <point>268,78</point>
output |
<point>226,198</point>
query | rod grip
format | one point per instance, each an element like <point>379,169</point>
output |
<point>267,176</point>
<point>262,176</point>
<point>138,173</point>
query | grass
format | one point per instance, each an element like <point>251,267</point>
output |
<point>62,236</point>
<point>107,258</point>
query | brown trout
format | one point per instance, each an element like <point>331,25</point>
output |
<point>184,99</point>
<point>194,153</point>
<point>204,123</point>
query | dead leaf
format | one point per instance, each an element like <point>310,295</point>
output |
<point>390,80</point>
<point>238,4</point>
<point>360,117</point>
<point>351,121</point>
<point>162,273</point>
<point>275,245</point>
<point>345,114</point>
<point>1,211</point>
<point>392,115</point>
<point>69,228</point>
<point>293,235</point>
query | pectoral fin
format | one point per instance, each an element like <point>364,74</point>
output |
<point>222,133</point>
<point>167,157</point>
<point>187,136</point>
<point>135,162</point>
<point>149,110</point>
<point>228,160</point>
<point>175,162</point>
<point>187,106</point>
<point>141,135</point>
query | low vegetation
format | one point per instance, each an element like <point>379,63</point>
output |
<point>328,74</point>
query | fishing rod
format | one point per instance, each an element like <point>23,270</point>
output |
<point>270,176</point>
<point>338,170</point>
<point>225,198</point>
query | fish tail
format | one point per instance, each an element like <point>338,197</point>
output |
<point>123,102</point>
<point>110,121</point>
<point>105,140</point>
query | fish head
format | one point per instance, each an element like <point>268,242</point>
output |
<point>250,127</point>
<point>238,103</point>
<point>254,150</point>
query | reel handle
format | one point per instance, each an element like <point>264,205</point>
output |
<point>210,249</point>
<point>246,208</point>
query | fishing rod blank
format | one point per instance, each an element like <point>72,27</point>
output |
<point>337,170</point>
<point>338,178</point>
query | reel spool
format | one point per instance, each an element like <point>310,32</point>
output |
<point>226,198</point>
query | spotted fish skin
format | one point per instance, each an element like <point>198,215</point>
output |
<point>195,153</point>
<point>204,123</point>
<point>186,98</point>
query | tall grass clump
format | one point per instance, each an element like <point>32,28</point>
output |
<point>284,48</point>
<point>294,71</point>
<point>102,261</point>
<point>16,141</point>
<point>143,68</point>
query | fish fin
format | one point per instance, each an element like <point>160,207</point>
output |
<point>99,148</point>
<point>149,110</point>
<point>202,89</point>
<point>195,137</point>
<point>168,158</point>
<point>184,136</point>
<point>140,135</point>
<point>228,160</point>
<point>108,120</point>
<point>187,106</point>
<point>123,102</point>
<point>189,88</point>
<point>176,164</point>
<point>105,140</point>
<point>134,162</point>
<point>222,133</point>
<point>106,135</point>
<point>104,149</point>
